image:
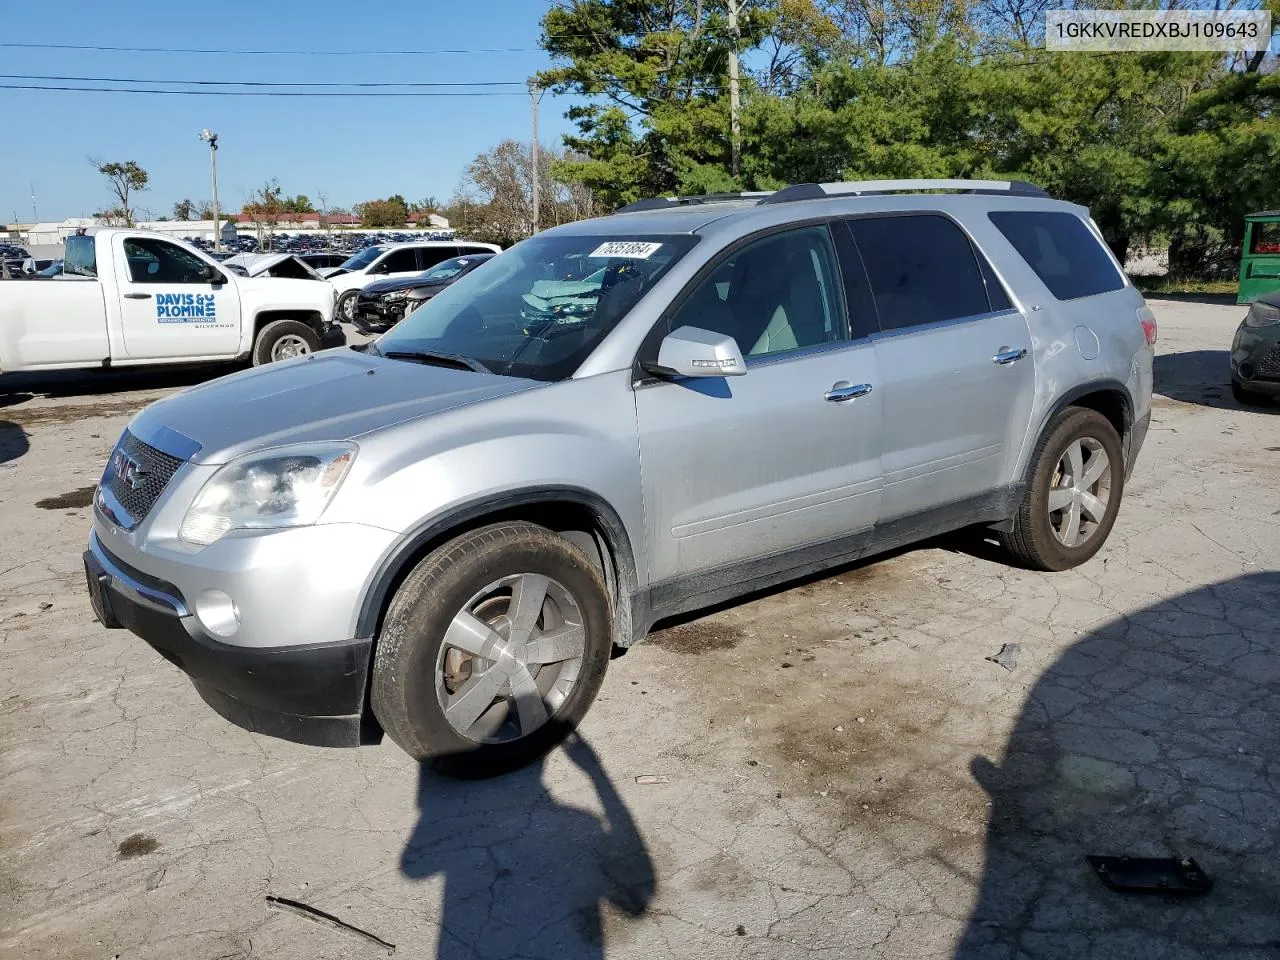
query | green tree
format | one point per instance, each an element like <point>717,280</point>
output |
<point>184,210</point>
<point>125,179</point>
<point>391,212</point>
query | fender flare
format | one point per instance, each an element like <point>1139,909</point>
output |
<point>1069,398</point>
<point>412,547</point>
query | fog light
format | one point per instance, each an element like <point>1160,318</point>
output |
<point>217,613</point>
<point>1246,371</point>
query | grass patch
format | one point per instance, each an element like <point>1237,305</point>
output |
<point>1156,285</point>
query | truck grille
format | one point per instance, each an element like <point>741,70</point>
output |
<point>1268,365</point>
<point>136,475</point>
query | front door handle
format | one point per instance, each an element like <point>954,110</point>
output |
<point>1009,354</point>
<point>843,390</point>
<point>137,296</point>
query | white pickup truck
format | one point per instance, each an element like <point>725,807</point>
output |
<point>129,297</point>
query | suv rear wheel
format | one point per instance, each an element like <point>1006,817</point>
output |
<point>492,650</point>
<point>1071,502</point>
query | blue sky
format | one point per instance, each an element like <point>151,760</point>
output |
<point>349,148</point>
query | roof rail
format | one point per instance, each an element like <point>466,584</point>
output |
<point>666,203</point>
<point>855,188</point>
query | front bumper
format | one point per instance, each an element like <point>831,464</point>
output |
<point>1255,358</point>
<point>375,315</point>
<point>307,693</point>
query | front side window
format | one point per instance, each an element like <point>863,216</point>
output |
<point>777,294</point>
<point>1064,253</point>
<point>399,261</point>
<point>541,308</point>
<point>157,261</point>
<point>1265,238</point>
<point>921,269</point>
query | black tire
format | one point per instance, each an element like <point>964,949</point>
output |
<point>344,309</point>
<point>277,330</point>
<point>409,648</point>
<point>1032,542</point>
<point>1248,398</point>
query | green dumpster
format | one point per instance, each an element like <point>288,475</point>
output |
<point>1260,259</point>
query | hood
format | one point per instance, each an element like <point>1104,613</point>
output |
<point>397,283</point>
<point>328,272</point>
<point>259,263</point>
<point>333,395</point>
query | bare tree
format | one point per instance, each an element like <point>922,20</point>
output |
<point>497,193</point>
<point>125,179</point>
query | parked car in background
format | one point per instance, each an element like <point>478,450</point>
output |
<point>384,303</point>
<point>131,297</point>
<point>761,388</point>
<point>1255,353</point>
<point>391,261</point>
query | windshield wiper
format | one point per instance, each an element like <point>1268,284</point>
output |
<point>433,359</point>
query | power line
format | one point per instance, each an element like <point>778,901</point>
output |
<point>270,83</point>
<point>266,53</point>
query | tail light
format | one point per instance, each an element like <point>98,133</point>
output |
<point>1148,321</point>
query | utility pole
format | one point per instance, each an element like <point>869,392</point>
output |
<point>211,138</point>
<point>735,131</point>
<point>35,217</point>
<point>535,94</point>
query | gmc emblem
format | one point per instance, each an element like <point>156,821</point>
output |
<point>128,470</point>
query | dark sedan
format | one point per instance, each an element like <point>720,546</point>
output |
<point>381,305</point>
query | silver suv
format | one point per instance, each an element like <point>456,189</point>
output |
<point>443,535</point>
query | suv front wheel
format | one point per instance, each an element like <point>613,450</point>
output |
<point>1071,502</point>
<point>492,650</point>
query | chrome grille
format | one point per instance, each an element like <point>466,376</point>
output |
<point>136,475</point>
<point>1268,365</point>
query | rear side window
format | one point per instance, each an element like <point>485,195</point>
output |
<point>79,257</point>
<point>1062,251</point>
<point>922,269</point>
<point>429,256</point>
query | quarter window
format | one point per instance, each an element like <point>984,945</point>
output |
<point>1063,252</point>
<point>778,294</point>
<point>922,269</point>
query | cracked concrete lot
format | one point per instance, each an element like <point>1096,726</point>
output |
<point>833,770</point>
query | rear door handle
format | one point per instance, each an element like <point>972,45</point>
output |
<point>1009,354</point>
<point>137,296</point>
<point>843,390</point>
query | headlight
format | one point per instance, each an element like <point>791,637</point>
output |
<point>395,295</point>
<point>1262,315</point>
<point>283,487</point>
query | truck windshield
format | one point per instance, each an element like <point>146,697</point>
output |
<point>362,259</point>
<point>539,309</point>
<point>79,258</point>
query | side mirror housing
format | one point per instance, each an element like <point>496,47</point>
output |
<point>694,352</point>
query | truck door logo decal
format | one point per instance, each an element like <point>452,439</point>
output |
<point>185,308</point>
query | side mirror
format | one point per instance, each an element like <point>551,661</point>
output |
<point>213,275</point>
<point>694,352</point>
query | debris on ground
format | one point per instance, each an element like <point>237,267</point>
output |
<point>1170,875</point>
<point>308,912</point>
<point>1007,657</point>
<point>649,778</point>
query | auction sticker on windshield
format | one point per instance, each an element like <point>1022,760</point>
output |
<point>633,249</point>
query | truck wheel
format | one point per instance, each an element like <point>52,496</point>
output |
<point>492,650</point>
<point>345,310</point>
<point>283,339</point>
<point>1070,505</point>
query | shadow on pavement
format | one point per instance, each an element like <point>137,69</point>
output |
<point>1198,376</point>
<point>1214,299</point>
<point>13,441</point>
<point>18,388</point>
<point>525,875</point>
<point>1156,735</point>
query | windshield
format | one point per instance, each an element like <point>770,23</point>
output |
<point>443,271</point>
<point>363,258</point>
<point>539,309</point>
